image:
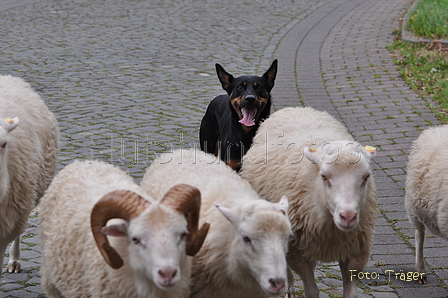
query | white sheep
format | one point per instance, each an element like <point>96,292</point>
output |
<point>28,158</point>
<point>244,254</point>
<point>426,199</point>
<point>310,157</point>
<point>148,260</point>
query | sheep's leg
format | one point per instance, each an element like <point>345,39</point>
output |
<point>51,290</point>
<point>306,272</point>
<point>419,242</point>
<point>348,280</point>
<point>14,256</point>
<point>2,254</point>
<point>291,293</point>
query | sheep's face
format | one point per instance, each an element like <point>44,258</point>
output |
<point>156,245</point>
<point>343,175</point>
<point>263,232</point>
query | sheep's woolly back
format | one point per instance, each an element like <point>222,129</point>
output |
<point>427,180</point>
<point>32,151</point>
<point>275,166</point>
<point>71,261</point>
<point>217,270</point>
<point>303,124</point>
<point>177,166</point>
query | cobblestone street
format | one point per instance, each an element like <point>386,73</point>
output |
<point>130,79</point>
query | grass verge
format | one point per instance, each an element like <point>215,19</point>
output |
<point>429,19</point>
<point>425,68</point>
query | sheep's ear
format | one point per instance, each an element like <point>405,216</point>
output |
<point>284,205</point>
<point>369,152</point>
<point>11,123</point>
<point>312,154</point>
<point>228,213</point>
<point>119,230</point>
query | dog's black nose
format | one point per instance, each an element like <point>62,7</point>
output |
<point>249,98</point>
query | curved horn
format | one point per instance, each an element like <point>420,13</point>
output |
<point>123,204</point>
<point>186,199</point>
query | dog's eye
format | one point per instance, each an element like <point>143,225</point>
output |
<point>239,87</point>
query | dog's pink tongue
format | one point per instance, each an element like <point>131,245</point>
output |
<point>248,117</point>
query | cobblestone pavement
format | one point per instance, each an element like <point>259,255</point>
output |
<point>130,79</point>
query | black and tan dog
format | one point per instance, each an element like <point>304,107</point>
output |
<point>231,120</point>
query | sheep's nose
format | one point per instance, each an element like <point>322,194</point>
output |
<point>249,98</point>
<point>348,217</point>
<point>168,274</point>
<point>277,284</point>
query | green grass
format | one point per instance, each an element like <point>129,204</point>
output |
<point>426,71</point>
<point>429,19</point>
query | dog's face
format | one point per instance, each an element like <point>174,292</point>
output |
<point>248,95</point>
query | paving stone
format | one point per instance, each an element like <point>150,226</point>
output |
<point>387,239</point>
<point>384,295</point>
<point>21,294</point>
<point>426,292</point>
<point>331,282</point>
<point>10,286</point>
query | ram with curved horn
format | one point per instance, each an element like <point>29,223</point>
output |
<point>132,246</point>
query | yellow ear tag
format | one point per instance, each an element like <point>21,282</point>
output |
<point>9,120</point>
<point>370,149</point>
<point>312,150</point>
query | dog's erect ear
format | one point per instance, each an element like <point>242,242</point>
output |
<point>225,78</point>
<point>270,74</point>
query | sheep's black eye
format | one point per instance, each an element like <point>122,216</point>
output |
<point>4,145</point>
<point>326,181</point>
<point>183,235</point>
<point>365,179</point>
<point>136,240</point>
<point>246,239</point>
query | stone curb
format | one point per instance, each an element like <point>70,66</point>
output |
<point>407,36</point>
